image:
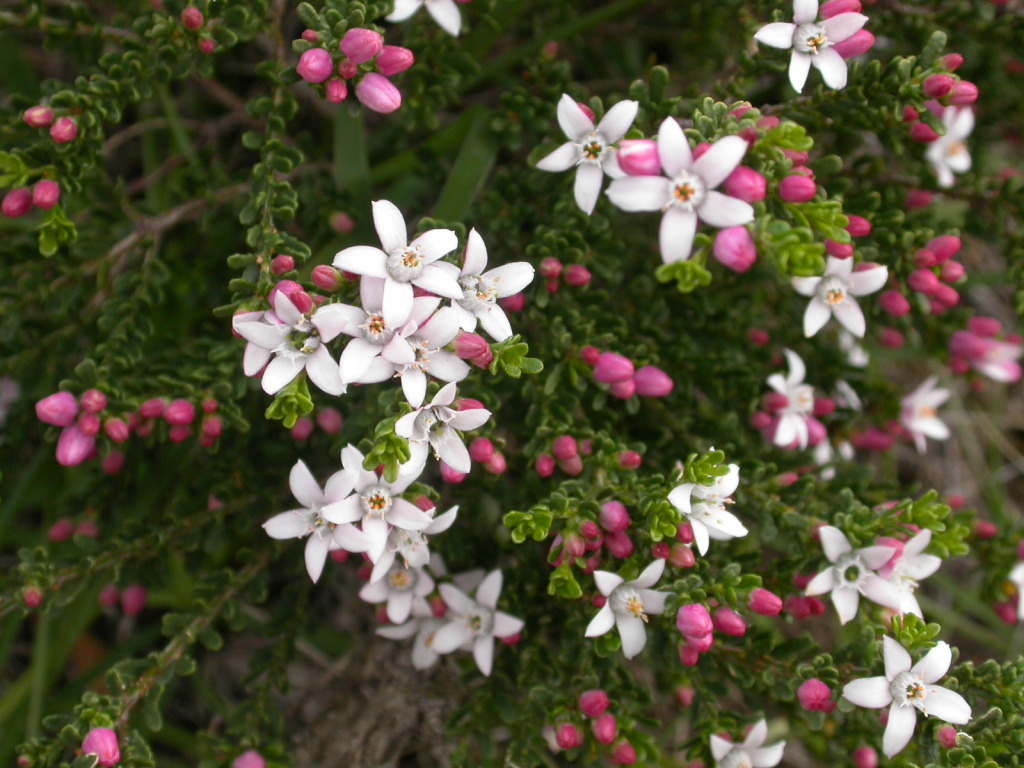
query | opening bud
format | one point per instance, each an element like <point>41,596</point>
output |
<point>315,65</point>
<point>63,130</point>
<point>394,59</point>
<point>379,94</point>
<point>361,45</point>
<point>102,742</point>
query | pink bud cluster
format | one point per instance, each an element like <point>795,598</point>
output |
<point>862,41</point>
<point>984,347</point>
<point>574,275</point>
<point>594,704</point>
<point>19,201</point>
<point>65,528</point>
<point>62,129</point>
<point>935,273</point>
<point>364,59</point>
<point>624,380</point>
<point>328,419</point>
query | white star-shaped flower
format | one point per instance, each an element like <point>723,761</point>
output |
<point>792,420</point>
<point>627,606</point>
<point>908,567</point>
<point>481,290</point>
<point>435,425</point>
<point>852,574</point>
<point>832,291</point>
<point>686,193</point>
<point>444,12</point>
<point>704,508</point>
<point>749,753</point>
<point>475,620</point>
<point>411,546</point>
<point>399,589</point>
<point>291,343</point>
<point>589,148</point>
<point>424,629</point>
<point>906,689</point>
<point>309,521</point>
<point>417,351</point>
<point>402,264</point>
<point>812,42</point>
<point>376,503</point>
<point>919,413</point>
<point>948,154</point>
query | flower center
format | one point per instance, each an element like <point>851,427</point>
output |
<point>737,758</point>
<point>422,353</point>
<point>592,148</point>
<point>376,500</point>
<point>832,290</point>
<point>687,192</point>
<point>955,148</point>
<point>402,579</point>
<point>908,690</point>
<point>477,292</point>
<point>802,398</point>
<point>480,621</point>
<point>626,600</point>
<point>405,264</point>
<point>811,38</point>
<point>375,330</point>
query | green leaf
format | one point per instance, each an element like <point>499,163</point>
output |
<point>291,402</point>
<point>471,169</point>
<point>688,275</point>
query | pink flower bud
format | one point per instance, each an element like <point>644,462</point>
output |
<point>310,35</point>
<point>799,158</point>
<point>38,116</point>
<point>985,529</point>
<point>281,264</point>
<point>45,194</point>
<point>746,184</point>
<point>252,758</point>
<point>612,367</point>
<point>815,696</point>
<point>565,447</point>
<point>865,757</point>
<point>952,61</point>
<point>336,90</point>
<point>116,429</point>
<point>891,338</point>
<point>594,703</point>
<point>74,446</point>
<point>17,203</point>
<point>937,86</point>
<point>684,695</point>
<point>1007,612</point>
<point>102,742</point>
<point>394,59</point>
<point>550,268</point>
<point>87,528</point>
<point>630,460</point>
<point>63,130</point>
<point>651,381</point>
<point>946,736</point>
<point>872,439</point>
<point>797,189</point>
<point>622,389</point>
<point>211,428</point>
<point>59,409</point>
<point>775,401</point>
<point>681,556</point>
<point>481,449</point>
<point>361,45</point>
<point>922,133</point>
<point>728,622</point>
<point>689,656</point>
<point>61,530</point>
<point>341,223</point>
<point>614,518</point>
<point>577,276</point>
<point>735,249</point>
<point>192,18</point>
<point>946,295</point>
<point>470,345</point>
<point>315,65</point>
<point>93,401</point>
<point>639,157</point>
<point>764,602</point>
<point>835,7</point>
<point>113,463</point>
<point>133,600</point>
<point>586,110</point>
<point>90,424</point>
<point>180,413</point>
<point>450,475</point>
<point>497,464</point>
<point>861,42</point>
<point>894,303</point>
<point>945,247</point>
<point>619,545</point>
<point>347,69</point>
<point>329,420</point>
<point>303,429</point>
<point>179,433</point>
<point>858,226</point>
<point>985,327</point>
<point>152,409</point>
<point>110,596</point>
<point>590,355</point>
<point>838,250</point>
<point>605,728</point>
<point>568,736</point>
<point>918,198</point>
<point>207,45</point>
<point>624,754</point>
<point>963,94</point>
<point>545,465</point>
<point>378,93</point>
<point>693,620</point>
<point>923,281</point>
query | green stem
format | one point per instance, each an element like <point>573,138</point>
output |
<point>40,660</point>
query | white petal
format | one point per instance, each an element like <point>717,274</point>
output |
<point>404,9</point>
<point>601,623</point>
<point>715,165</point>
<point>650,575</point>
<point>437,280</point>
<point>414,386</point>
<point>756,736</point>
<point>946,705</point>
<point>511,278</point>
<point>880,591</point>
<point>587,186</point>
<point>844,26</point>
<point>606,582</point>
<point>797,369</point>
<point>673,149</point>
<point>639,193</point>
<point>316,554</point>
<point>805,11</point>
<point>435,243</point>
<point>824,581</point>
<point>654,602</point>
<point>254,359</point>
<point>376,531</point>
<point>304,486</point>
<point>456,600</point>
<point>562,159</point>
<point>846,600</point>
<point>720,747</point>
<point>399,606</point>
<point>371,293</point>
<point>899,730</point>
<point>675,236</point>
<point>350,538</point>
<point>877,556</point>
<point>450,637</point>
<point>264,335</point>
<point>720,210</point>
<point>406,515</point>
<point>960,122</point>
<point>474,260</point>
<point>935,663</point>
<point>572,119</point>
<point>799,66</point>
<point>356,358</point>
<point>345,511</point>
<point>398,632</point>
<point>483,654</point>
<point>766,757</point>
<point>489,590</point>
<point>616,122</point>
<point>833,542</point>
<point>323,371</point>
<point>446,14</point>
<point>442,522</point>
<point>779,34</point>
<point>868,281</point>
<point>816,316</point>
<point>332,320</point>
<point>288,525</point>
<point>397,302</point>
<point>850,316</point>
<point>505,625</point>
<point>363,260</point>
<point>832,67</point>
<point>470,419</point>
<point>280,372</point>
<point>447,367</point>
<point>633,634</point>
<point>390,226</point>
<point>723,525</point>
<point>895,656</point>
<point>679,497</point>
<point>805,286</point>
<point>870,692</point>
<point>700,535</point>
